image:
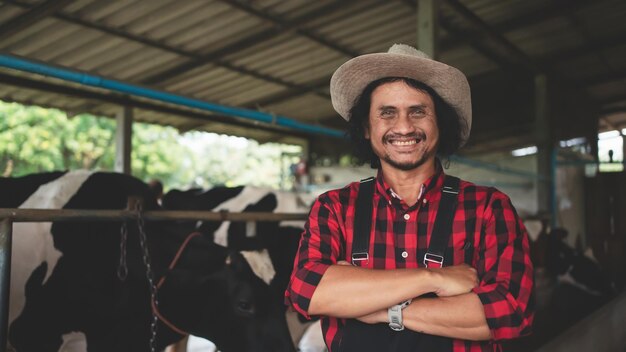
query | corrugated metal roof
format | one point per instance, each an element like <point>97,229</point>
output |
<point>277,56</point>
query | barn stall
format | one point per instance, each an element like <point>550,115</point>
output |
<point>261,70</point>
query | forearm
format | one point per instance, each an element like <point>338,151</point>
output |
<point>348,292</point>
<point>460,317</point>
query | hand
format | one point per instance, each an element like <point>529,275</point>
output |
<point>454,280</point>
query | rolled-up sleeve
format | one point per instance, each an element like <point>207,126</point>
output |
<point>318,250</point>
<point>506,272</point>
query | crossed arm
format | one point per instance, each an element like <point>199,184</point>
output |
<point>350,292</point>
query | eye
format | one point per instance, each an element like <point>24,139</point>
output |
<point>417,113</point>
<point>244,306</point>
<point>387,113</point>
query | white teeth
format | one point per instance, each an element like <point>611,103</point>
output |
<point>413,141</point>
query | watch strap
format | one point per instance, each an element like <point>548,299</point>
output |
<point>394,313</point>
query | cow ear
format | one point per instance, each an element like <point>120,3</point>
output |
<point>267,203</point>
<point>235,261</point>
<point>35,281</point>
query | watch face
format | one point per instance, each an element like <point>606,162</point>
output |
<point>396,326</point>
<point>395,319</point>
<point>394,314</point>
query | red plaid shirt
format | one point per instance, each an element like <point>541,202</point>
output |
<point>487,234</point>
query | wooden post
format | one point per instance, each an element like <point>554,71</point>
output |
<point>6,236</point>
<point>545,149</point>
<point>427,18</point>
<point>123,140</point>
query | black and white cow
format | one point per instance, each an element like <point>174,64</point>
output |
<point>279,238</point>
<point>66,294</point>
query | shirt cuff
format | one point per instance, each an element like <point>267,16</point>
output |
<point>303,285</point>
<point>504,318</point>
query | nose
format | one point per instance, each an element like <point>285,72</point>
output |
<point>403,124</point>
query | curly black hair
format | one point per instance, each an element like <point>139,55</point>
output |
<point>451,126</point>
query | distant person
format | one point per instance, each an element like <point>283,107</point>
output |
<point>438,264</point>
<point>300,171</point>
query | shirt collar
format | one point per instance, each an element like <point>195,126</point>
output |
<point>431,185</point>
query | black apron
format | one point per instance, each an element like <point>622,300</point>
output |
<point>362,337</point>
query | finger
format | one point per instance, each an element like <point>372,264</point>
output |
<point>343,262</point>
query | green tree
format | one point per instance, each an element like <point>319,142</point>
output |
<point>34,139</point>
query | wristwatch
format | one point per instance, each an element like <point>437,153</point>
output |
<point>395,315</point>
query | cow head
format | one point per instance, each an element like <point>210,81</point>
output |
<point>50,335</point>
<point>280,239</point>
<point>232,304</point>
<point>572,267</point>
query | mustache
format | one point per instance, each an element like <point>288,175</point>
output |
<point>415,135</point>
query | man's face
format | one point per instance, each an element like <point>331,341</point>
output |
<point>402,126</point>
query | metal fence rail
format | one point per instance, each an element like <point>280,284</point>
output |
<point>9,216</point>
<point>43,215</point>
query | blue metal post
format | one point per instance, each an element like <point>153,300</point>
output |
<point>100,82</point>
<point>553,195</point>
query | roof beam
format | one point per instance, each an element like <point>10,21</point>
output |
<point>513,54</point>
<point>551,10</point>
<point>162,46</point>
<point>477,43</point>
<point>32,15</point>
<point>605,78</point>
<point>124,100</point>
<point>476,40</point>
<point>596,44</point>
<point>111,30</point>
<point>278,27</point>
<point>292,93</point>
<point>244,6</point>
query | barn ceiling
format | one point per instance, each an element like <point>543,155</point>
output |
<point>277,56</point>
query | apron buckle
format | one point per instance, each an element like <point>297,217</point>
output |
<point>434,259</point>
<point>359,257</point>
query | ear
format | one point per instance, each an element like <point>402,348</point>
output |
<point>35,281</point>
<point>235,261</point>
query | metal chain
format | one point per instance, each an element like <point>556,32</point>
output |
<point>122,269</point>
<point>143,241</point>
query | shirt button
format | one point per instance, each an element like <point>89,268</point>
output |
<point>405,254</point>
<point>407,216</point>
<point>425,201</point>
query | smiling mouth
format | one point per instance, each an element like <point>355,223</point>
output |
<point>404,142</point>
<point>408,140</point>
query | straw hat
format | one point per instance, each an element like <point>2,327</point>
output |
<point>401,60</point>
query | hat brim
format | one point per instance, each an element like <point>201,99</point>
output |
<point>351,78</point>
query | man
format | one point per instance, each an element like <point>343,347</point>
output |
<point>404,110</point>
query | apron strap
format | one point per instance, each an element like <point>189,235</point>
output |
<point>443,223</point>
<point>363,222</point>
